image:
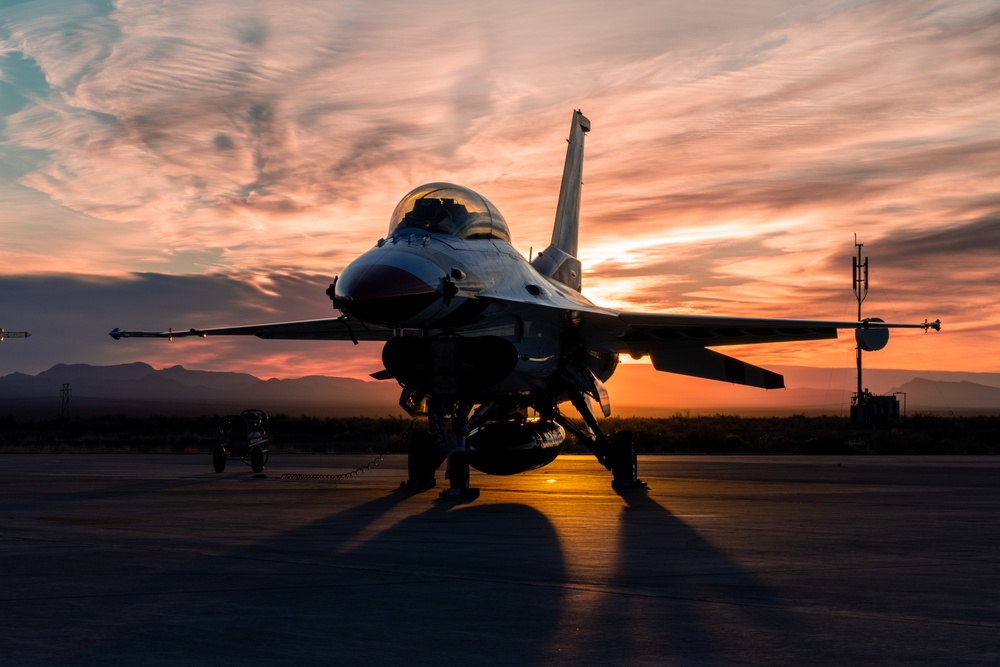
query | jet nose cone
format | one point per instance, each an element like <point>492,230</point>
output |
<point>385,294</point>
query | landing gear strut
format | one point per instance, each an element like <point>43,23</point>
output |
<point>453,442</point>
<point>449,430</point>
<point>617,454</point>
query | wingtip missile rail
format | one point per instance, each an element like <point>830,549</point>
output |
<point>118,334</point>
<point>13,334</point>
<point>878,323</point>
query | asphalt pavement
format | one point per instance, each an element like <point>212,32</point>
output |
<point>158,560</point>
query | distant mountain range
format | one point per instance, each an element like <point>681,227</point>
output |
<point>939,396</point>
<point>637,389</point>
<point>139,389</point>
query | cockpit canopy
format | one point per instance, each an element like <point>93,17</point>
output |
<point>449,209</point>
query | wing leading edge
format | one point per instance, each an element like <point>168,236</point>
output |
<point>339,328</point>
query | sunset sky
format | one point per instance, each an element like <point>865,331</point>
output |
<point>212,162</point>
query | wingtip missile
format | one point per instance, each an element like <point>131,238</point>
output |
<point>13,334</point>
<point>118,334</point>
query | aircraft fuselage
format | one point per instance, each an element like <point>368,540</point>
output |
<point>441,286</point>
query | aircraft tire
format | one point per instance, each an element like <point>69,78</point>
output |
<point>219,458</point>
<point>422,460</point>
<point>623,466</point>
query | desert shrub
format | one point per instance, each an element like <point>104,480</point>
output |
<point>679,434</point>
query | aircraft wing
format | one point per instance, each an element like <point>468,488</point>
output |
<point>340,328</point>
<point>709,330</point>
<point>679,343</point>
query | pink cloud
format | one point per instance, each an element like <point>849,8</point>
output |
<point>733,158</point>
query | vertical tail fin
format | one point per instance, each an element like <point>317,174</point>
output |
<point>565,232</point>
<point>559,261</point>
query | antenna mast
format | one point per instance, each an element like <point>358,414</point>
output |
<point>865,408</point>
<point>65,399</point>
<point>860,278</point>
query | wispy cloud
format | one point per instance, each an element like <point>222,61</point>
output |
<point>736,151</point>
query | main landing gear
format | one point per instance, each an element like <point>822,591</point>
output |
<point>617,453</point>
<point>624,469</point>
<point>449,422</point>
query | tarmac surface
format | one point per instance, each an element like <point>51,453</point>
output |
<point>157,560</point>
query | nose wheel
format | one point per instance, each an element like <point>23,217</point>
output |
<point>449,428</point>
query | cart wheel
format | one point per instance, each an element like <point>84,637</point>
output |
<point>219,459</point>
<point>257,459</point>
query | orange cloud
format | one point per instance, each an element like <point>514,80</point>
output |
<point>734,155</point>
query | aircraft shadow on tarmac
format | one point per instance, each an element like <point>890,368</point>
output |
<point>405,579</point>
<point>694,602</point>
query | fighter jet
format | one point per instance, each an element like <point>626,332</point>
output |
<point>490,346</point>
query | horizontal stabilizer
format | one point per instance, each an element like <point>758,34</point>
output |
<point>704,363</point>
